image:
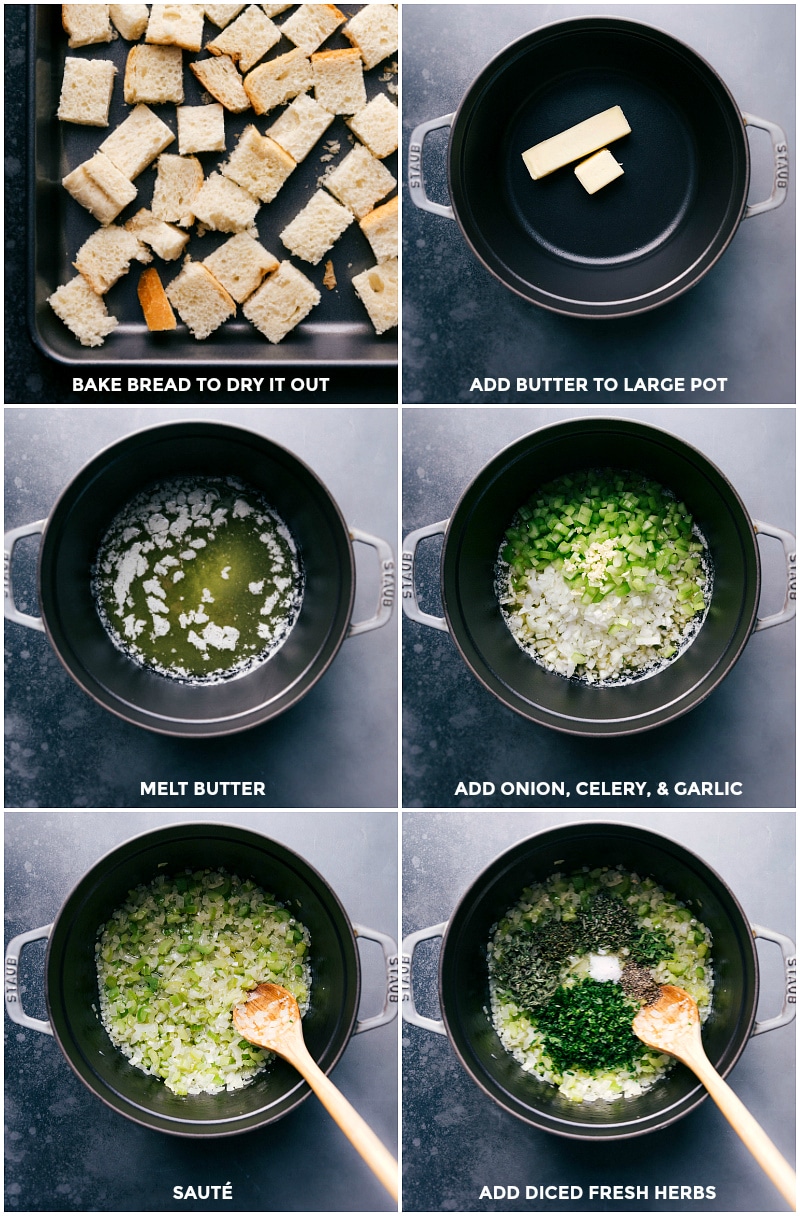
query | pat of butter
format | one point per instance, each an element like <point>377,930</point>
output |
<point>576,142</point>
<point>598,171</point>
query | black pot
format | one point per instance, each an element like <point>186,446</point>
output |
<point>473,536</point>
<point>71,536</point>
<point>71,977</point>
<point>647,237</point>
<point>464,984</point>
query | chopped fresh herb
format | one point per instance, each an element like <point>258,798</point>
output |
<point>589,1026</point>
<point>650,947</point>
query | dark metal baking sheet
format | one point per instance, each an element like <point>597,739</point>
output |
<point>336,332</point>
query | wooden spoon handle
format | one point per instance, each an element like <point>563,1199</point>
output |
<point>750,1131</point>
<point>359,1133</point>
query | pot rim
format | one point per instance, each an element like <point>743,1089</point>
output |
<point>301,1090</point>
<point>699,1094</point>
<point>568,726</point>
<point>232,723</point>
<point>535,295</point>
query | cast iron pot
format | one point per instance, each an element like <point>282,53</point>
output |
<point>71,977</point>
<point>73,531</point>
<point>464,984</point>
<point>644,239</point>
<point>472,539</point>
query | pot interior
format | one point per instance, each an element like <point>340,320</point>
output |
<point>72,995</point>
<point>85,511</point>
<point>640,240</point>
<point>464,989</point>
<point>473,541</point>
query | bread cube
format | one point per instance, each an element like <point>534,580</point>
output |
<point>98,185</point>
<point>240,264</point>
<point>178,183</point>
<point>201,128</point>
<point>224,206</point>
<point>360,181</point>
<point>83,311</point>
<point>86,24</point>
<point>377,290</point>
<point>374,31</point>
<point>282,301</point>
<point>248,39</point>
<point>380,228</point>
<point>300,126</point>
<point>310,24</point>
<point>278,80</point>
<point>272,10</point>
<point>164,239</point>
<point>222,14</point>
<point>258,165</point>
<point>154,74</point>
<point>106,256</point>
<point>130,19</point>
<point>176,25</point>
<point>156,307</point>
<point>86,89</point>
<point>314,230</point>
<point>220,77</point>
<point>339,81</point>
<point>201,302</point>
<point>137,141</point>
<point>376,126</point>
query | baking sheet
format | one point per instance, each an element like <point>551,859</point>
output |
<point>337,331</point>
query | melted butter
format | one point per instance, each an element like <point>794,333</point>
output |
<point>198,578</point>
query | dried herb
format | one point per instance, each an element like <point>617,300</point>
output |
<point>589,1026</point>
<point>607,923</point>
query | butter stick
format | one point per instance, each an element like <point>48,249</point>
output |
<point>576,142</point>
<point>598,171</point>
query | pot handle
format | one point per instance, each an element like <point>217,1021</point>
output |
<point>787,1013</point>
<point>780,152</point>
<point>10,610</point>
<point>389,947</point>
<point>416,177</point>
<point>790,599</point>
<point>386,599</point>
<point>410,602</point>
<point>13,1003</point>
<point>410,1013</point>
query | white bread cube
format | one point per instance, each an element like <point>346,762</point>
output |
<point>176,25</point>
<point>86,24</point>
<point>107,255</point>
<point>339,81</point>
<point>224,206</point>
<point>278,80</point>
<point>360,181</point>
<point>83,311</point>
<point>240,264</point>
<point>380,228</point>
<point>310,24</point>
<point>222,14</point>
<point>98,185</point>
<point>86,89</point>
<point>130,19</point>
<point>156,307</point>
<point>300,126</point>
<point>258,165</point>
<point>248,39</point>
<point>219,76</point>
<point>272,10</point>
<point>376,126</point>
<point>374,31</point>
<point>282,301</point>
<point>154,74</point>
<point>314,230</point>
<point>137,141</point>
<point>201,128</point>
<point>178,183</point>
<point>164,239</point>
<point>201,302</point>
<point>377,290</point>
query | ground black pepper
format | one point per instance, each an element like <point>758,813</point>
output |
<point>638,983</point>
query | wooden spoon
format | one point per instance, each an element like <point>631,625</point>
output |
<point>672,1024</point>
<point>270,1018</point>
